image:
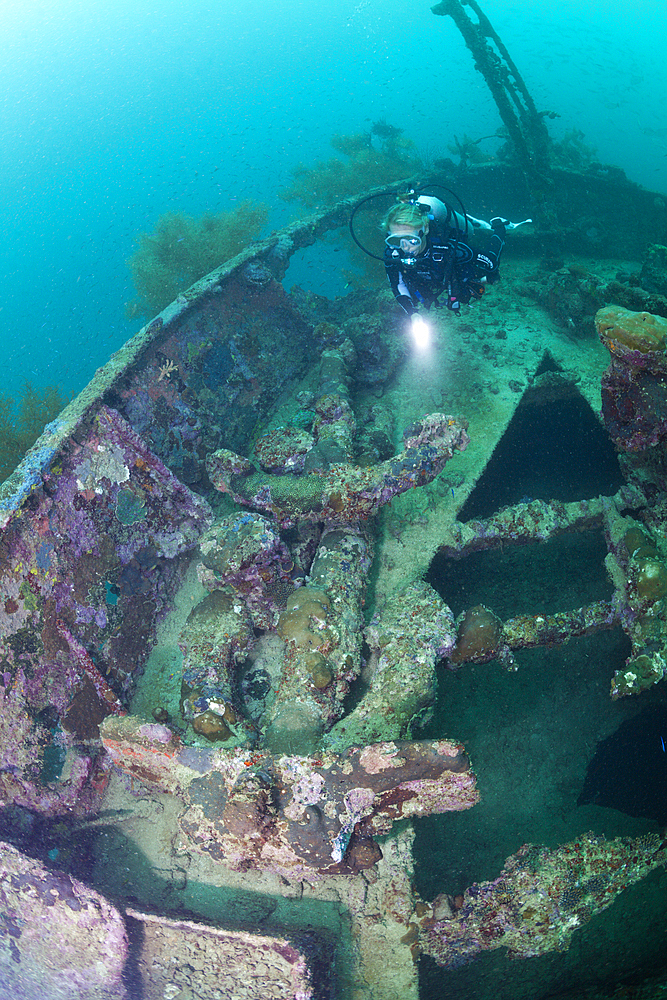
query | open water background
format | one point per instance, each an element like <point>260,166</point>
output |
<point>115,111</point>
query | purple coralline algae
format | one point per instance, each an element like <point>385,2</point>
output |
<point>206,381</point>
<point>83,591</point>
<point>64,941</point>
<point>61,939</point>
<point>245,551</point>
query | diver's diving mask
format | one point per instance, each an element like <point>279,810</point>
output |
<point>404,242</point>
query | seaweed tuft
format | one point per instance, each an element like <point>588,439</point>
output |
<point>367,166</point>
<point>22,420</point>
<point>181,249</point>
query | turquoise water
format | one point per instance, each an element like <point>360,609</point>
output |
<point>113,112</point>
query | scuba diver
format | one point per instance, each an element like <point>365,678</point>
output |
<point>427,254</point>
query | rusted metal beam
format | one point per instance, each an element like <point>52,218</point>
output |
<point>525,125</point>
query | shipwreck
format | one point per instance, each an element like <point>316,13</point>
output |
<point>226,638</point>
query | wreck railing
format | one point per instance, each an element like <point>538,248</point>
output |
<point>274,252</point>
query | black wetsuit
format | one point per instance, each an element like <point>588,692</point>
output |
<point>448,265</point>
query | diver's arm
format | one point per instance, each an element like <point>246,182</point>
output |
<point>406,304</point>
<point>399,288</point>
<point>487,260</point>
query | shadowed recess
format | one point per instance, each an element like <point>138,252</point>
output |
<point>565,572</point>
<point>557,451</point>
<point>629,769</point>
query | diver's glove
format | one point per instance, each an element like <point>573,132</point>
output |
<point>406,304</point>
<point>464,291</point>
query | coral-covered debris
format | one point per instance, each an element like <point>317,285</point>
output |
<point>406,638</point>
<point>636,563</point>
<point>320,813</point>
<point>295,815</point>
<point>532,521</point>
<point>481,637</point>
<point>211,374</point>
<point>322,626</point>
<point>216,629</point>
<point>109,700</point>
<point>344,492</point>
<point>634,409</point>
<point>639,572</point>
<point>540,899</point>
<point>245,551</point>
<point>317,631</point>
<point>245,566</point>
<point>524,631</point>
<point>634,401</point>
<point>284,450</point>
<point>60,938</point>
<point>88,566</point>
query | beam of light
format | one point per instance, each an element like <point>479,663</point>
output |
<point>420,332</point>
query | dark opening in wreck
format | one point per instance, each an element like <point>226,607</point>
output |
<point>553,449</point>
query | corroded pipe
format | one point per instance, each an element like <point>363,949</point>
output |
<point>406,638</point>
<point>344,493</point>
<point>323,629</point>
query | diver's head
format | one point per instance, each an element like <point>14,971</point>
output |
<point>406,226</point>
<point>407,239</point>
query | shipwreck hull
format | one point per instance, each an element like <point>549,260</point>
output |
<point>597,210</point>
<point>86,547</point>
